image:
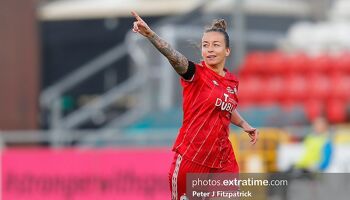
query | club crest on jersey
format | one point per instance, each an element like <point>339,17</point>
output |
<point>231,91</point>
<point>215,83</point>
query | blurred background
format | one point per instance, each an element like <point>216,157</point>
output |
<point>81,95</point>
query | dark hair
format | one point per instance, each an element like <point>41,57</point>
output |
<point>220,26</point>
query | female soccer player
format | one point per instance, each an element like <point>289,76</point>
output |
<point>209,106</point>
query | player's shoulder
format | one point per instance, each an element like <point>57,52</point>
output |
<point>196,69</point>
<point>231,76</point>
<point>198,65</point>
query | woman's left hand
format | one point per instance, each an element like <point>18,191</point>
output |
<point>253,134</point>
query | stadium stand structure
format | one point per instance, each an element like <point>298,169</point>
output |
<point>321,84</point>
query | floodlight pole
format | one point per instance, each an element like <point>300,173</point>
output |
<point>239,43</point>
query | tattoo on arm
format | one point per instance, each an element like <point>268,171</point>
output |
<point>240,124</point>
<point>176,59</point>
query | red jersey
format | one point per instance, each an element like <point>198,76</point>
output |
<point>208,101</point>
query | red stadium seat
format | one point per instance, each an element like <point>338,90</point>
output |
<point>340,89</point>
<point>320,64</point>
<point>297,63</point>
<point>254,63</point>
<point>273,90</point>
<point>295,88</point>
<point>275,63</point>
<point>342,63</point>
<point>250,90</point>
<point>336,111</point>
<point>314,108</point>
<point>318,86</point>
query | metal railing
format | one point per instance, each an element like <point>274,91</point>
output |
<point>51,97</point>
<point>89,138</point>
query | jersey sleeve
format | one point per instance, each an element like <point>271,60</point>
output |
<point>192,76</point>
<point>191,70</point>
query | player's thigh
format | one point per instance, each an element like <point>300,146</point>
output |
<point>177,175</point>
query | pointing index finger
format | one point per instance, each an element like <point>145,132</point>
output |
<point>136,16</point>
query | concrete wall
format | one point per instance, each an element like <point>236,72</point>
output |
<point>19,65</point>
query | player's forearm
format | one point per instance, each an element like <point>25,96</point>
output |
<point>238,120</point>
<point>176,59</point>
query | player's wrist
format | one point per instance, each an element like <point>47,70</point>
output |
<point>246,126</point>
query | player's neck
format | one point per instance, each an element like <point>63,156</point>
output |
<point>218,69</point>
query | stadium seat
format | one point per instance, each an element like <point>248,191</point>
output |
<point>314,108</point>
<point>321,84</point>
<point>295,88</point>
<point>340,86</point>
<point>342,63</point>
<point>318,86</point>
<point>250,90</point>
<point>297,63</point>
<point>275,63</point>
<point>336,111</point>
<point>273,90</point>
<point>320,64</point>
<point>254,63</point>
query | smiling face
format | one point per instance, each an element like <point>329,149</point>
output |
<point>214,50</point>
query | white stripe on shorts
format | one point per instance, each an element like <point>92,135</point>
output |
<point>174,178</point>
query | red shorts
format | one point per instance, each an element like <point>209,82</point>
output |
<point>180,167</point>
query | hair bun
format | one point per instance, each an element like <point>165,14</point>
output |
<point>219,24</point>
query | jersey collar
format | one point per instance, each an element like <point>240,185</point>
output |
<point>228,74</point>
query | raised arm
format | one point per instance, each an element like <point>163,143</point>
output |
<point>176,59</point>
<point>238,120</point>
